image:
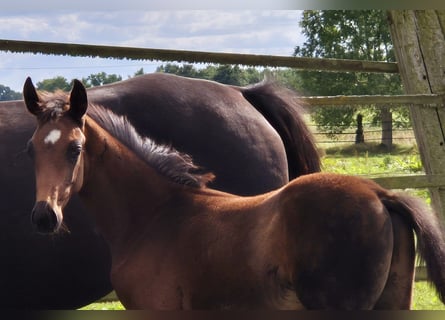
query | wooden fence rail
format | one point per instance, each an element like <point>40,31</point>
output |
<point>411,181</point>
<point>117,52</point>
<point>432,100</point>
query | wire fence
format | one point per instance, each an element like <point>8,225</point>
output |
<point>324,140</point>
<point>371,134</point>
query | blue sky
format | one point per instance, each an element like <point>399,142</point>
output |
<point>239,26</point>
<point>265,31</point>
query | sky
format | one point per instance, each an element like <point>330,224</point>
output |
<point>263,31</point>
<point>234,26</point>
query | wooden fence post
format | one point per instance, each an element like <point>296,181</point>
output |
<point>419,43</point>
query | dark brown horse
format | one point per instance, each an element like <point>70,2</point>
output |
<point>323,241</point>
<point>220,126</point>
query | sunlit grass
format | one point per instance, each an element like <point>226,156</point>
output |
<point>424,298</point>
<point>108,305</point>
<point>371,159</point>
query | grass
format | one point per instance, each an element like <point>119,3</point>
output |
<point>374,165</point>
<point>425,298</point>
<point>352,150</point>
<point>364,159</point>
<point>372,159</point>
<point>107,305</point>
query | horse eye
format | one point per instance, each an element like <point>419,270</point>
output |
<point>74,150</point>
<point>30,149</point>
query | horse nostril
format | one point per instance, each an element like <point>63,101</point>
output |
<point>44,218</point>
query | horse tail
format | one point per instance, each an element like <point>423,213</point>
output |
<point>282,108</point>
<point>429,232</point>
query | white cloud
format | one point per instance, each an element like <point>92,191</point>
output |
<point>257,32</point>
<point>164,29</point>
<point>22,27</point>
<point>114,5</point>
<point>228,31</point>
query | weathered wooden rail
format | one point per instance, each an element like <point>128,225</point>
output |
<point>117,52</point>
<point>433,100</point>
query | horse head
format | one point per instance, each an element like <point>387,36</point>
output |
<point>56,148</point>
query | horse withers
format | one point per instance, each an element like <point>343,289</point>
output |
<point>323,241</point>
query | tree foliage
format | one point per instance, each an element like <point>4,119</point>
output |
<point>359,35</point>
<point>227,74</point>
<point>53,84</point>
<point>7,94</point>
<point>99,79</point>
<point>139,72</point>
<point>185,70</point>
<point>61,83</point>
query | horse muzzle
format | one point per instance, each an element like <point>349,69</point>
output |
<point>44,218</point>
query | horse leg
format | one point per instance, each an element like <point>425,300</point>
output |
<point>397,293</point>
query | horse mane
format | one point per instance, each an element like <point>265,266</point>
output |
<point>168,161</point>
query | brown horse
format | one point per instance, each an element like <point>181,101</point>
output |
<point>323,241</point>
<point>260,126</point>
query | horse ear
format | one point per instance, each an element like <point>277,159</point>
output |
<point>31,97</point>
<point>78,100</point>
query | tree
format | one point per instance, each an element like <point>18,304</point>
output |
<point>139,72</point>
<point>99,79</point>
<point>61,83</point>
<point>360,35</point>
<point>185,70</point>
<point>7,94</point>
<point>53,84</point>
<point>227,74</point>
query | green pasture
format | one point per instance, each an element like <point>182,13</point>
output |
<point>363,160</point>
<point>369,159</point>
<point>425,298</point>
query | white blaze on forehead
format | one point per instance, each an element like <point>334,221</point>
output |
<point>53,136</point>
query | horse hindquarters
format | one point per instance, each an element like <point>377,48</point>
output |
<point>344,242</point>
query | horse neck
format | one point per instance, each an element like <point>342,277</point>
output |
<point>120,189</point>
